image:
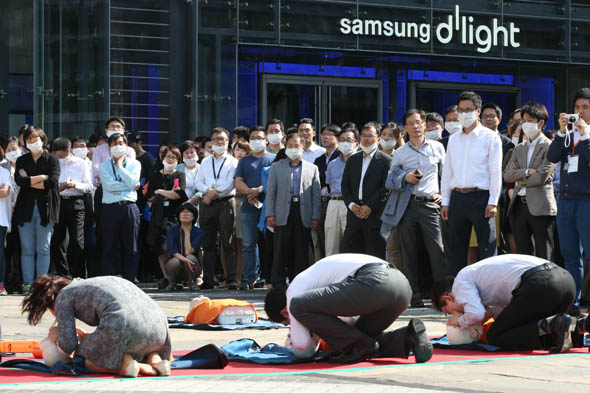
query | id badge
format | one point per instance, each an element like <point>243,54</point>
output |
<point>572,164</point>
<point>214,186</point>
<point>166,203</point>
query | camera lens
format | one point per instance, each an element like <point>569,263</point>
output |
<point>572,119</point>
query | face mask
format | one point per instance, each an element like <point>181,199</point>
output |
<point>293,154</point>
<point>219,149</point>
<point>275,139</point>
<point>467,118</point>
<point>369,149</point>
<point>530,129</point>
<point>118,150</point>
<point>111,133</point>
<point>12,156</point>
<point>258,145</point>
<point>453,126</point>
<point>35,147</point>
<point>80,152</point>
<point>64,161</point>
<point>387,145</point>
<point>432,135</point>
<point>515,140</point>
<point>190,162</point>
<point>169,167</point>
<point>346,148</point>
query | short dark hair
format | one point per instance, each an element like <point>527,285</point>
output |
<point>187,145</point>
<point>306,120</point>
<point>241,132</point>
<point>291,130</point>
<point>538,111</point>
<point>355,132</point>
<point>514,112</point>
<point>243,145</point>
<point>349,124</point>
<point>29,130</point>
<point>395,127</point>
<point>79,139</point>
<point>584,92</point>
<point>10,140</point>
<point>220,130</point>
<point>374,124</point>
<point>115,136</point>
<point>435,117</point>
<point>274,302</point>
<point>471,96</point>
<point>112,119</point>
<point>174,150</point>
<point>61,144</point>
<point>204,141</point>
<point>256,128</point>
<point>494,106</point>
<point>451,108</point>
<point>440,287</point>
<point>200,138</point>
<point>190,207</point>
<point>412,112</point>
<point>276,121</point>
<point>294,135</point>
<point>333,128</point>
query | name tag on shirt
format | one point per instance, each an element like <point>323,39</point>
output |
<point>572,164</point>
<point>166,203</point>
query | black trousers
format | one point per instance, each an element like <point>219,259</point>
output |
<point>291,253</point>
<point>467,210</point>
<point>120,225</point>
<point>214,218</point>
<point>321,234</point>
<point>525,226</point>
<point>377,293</point>
<point>68,256</point>
<point>363,236</point>
<point>540,295</point>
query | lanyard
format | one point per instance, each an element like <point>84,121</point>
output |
<point>116,173</point>
<point>574,147</point>
<point>216,176</point>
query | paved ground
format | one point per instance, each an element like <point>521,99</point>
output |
<point>547,374</point>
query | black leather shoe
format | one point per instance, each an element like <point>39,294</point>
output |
<point>206,286</point>
<point>419,340</point>
<point>562,326</point>
<point>358,353</point>
<point>232,286</point>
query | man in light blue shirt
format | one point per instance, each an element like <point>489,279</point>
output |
<point>120,216</point>
<point>421,161</point>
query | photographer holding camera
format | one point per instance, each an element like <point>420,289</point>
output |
<point>571,147</point>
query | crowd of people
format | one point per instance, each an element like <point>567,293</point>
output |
<point>256,206</point>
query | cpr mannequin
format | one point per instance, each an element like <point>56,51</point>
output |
<point>458,336</point>
<point>52,355</point>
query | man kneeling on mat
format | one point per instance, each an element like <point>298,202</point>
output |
<point>319,300</point>
<point>526,295</point>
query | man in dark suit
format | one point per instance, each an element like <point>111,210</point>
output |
<point>364,193</point>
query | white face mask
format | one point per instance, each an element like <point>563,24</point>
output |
<point>111,133</point>
<point>80,152</point>
<point>12,156</point>
<point>64,161</point>
<point>190,162</point>
<point>257,145</point>
<point>169,167</point>
<point>293,154</point>
<point>467,118</point>
<point>346,148</point>
<point>118,150</point>
<point>530,129</point>
<point>275,139</point>
<point>387,145</point>
<point>432,135</point>
<point>219,149</point>
<point>453,126</point>
<point>515,140</point>
<point>369,149</point>
<point>35,147</point>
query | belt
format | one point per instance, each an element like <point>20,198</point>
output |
<point>295,199</point>
<point>325,198</point>
<point>120,203</point>
<point>522,199</point>
<point>468,190</point>
<point>337,198</point>
<point>71,197</point>
<point>531,271</point>
<point>421,199</point>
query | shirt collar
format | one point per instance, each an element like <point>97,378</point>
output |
<point>371,155</point>
<point>534,143</point>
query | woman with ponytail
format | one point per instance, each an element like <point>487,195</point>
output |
<point>132,334</point>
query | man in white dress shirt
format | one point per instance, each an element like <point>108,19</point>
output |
<point>75,181</point>
<point>527,296</point>
<point>348,300</point>
<point>306,130</point>
<point>471,183</point>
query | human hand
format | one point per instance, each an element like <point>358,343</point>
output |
<point>119,161</point>
<point>206,200</point>
<point>582,126</point>
<point>356,209</point>
<point>562,122</point>
<point>532,171</point>
<point>53,335</point>
<point>413,178</point>
<point>514,165</point>
<point>437,198</point>
<point>365,211</point>
<point>191,264</point>
<point>252,200</point>
<point>491,211</point>
<point>211,193</point>
<point>70,183</point>
<point>444,213</point>
<point>454,320</point>
<point>270,222</point>
<point>23,173</point>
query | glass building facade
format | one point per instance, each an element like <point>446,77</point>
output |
<point>174,69</point>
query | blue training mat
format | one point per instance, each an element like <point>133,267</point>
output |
<point>248,351</point>
<point>443,342</point>
<point>263,324</point>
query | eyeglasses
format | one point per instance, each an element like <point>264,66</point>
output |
<point>349,140</point>
<point>219,139</point>
<point>369,136</point>
<point>418,123</point>
<point>490,116</point>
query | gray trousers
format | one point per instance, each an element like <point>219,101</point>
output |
<point>377,293</point>
<point>420,228</point>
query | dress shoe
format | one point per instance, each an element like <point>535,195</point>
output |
<point>419,340</point>
<point>162,368</point>
<point>358,353</point>
<point>562,325</point>
<point>245,286</point>
<point>131,370</point>
<point>232,286</point>
<point>206,286</point>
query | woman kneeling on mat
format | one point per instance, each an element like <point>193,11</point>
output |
<point>132,334</point>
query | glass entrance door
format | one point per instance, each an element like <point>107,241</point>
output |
<point>325,100</point>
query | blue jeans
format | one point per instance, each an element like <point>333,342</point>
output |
<point>2,257</point>
<point>35,239</point>
<point>572,216</point>
<point>249,241</point>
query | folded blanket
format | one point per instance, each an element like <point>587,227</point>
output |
<point>263,324</point>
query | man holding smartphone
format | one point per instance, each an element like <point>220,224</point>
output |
<point>418,165</point>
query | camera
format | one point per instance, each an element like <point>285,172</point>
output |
<point>572,117</point>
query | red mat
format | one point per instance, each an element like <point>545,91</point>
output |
<point>441,356</point>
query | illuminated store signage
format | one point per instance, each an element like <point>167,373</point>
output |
<point>456,25</point>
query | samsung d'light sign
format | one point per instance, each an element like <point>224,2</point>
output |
<point>485,37</point>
